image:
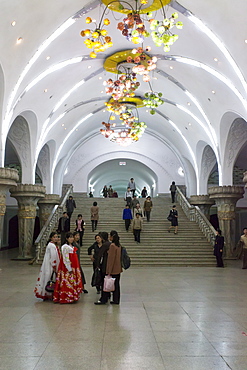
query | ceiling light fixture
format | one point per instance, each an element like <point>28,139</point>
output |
<point>134,26</point>
<point>13,23</point>
<point>19,40</point>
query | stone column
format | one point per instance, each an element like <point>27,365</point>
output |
<point>203,202</point>
<point>225,198</point>
<point>46,205</point>
<point>8,178</point>
<point>27,197</point>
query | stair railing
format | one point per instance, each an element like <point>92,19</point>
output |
<point>195,214</point>
<point>51,223</point>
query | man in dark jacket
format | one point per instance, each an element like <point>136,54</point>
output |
<point>70,206</point>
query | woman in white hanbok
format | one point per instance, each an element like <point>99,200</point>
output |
<point>50,264</point>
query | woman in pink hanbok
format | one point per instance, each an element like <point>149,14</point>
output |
<point>50,264</point>
<point>69,284</point>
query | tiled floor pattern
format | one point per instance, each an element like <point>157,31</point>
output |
<point>169,318</point>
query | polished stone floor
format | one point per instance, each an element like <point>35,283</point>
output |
<point>169,318</point>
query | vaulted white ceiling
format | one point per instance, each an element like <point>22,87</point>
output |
<point>202,79</point>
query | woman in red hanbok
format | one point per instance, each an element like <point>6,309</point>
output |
<point>50,264</point>
<point>69,283</point>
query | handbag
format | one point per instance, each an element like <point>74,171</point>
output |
<point>50,286</point>
<point>169,218</point>
<point>96,278</point>
<point>109,284</point>
<point>125,259</point>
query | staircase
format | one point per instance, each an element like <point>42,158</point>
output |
<point>158,247</point>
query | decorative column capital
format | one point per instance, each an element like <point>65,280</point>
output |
<point>230,192</point>
<point>8,176</point>
<point>197,200</point>
<point>50,199</point>
<point>27,193</point>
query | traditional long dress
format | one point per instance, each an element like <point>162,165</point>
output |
<point>68,286</point>
<point>51,260</point>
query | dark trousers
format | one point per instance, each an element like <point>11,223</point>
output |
<point>148,215</point>
<point>127,224</point>
<point>129,201</point>
<point>244,258</point>
<point>137,234</point>
<point>173,196</point>
<point>98,287</point>
<point>133,192</point>
<point>94,224</point>
<point>69,214</point>
<point>116,294</point>
<point>219,260</point>
<point>81,235</point>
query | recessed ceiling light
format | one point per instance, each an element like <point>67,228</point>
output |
<point>189,103</point>
<point>245,41</point>
<point>213,92</point>
<point>76,129</point>
<point>48,57</point>
<point>19,40</point>
<point>189,124</point>
<point>89,67</point>
<point>45,90</point>
<point>104,111</point>
<point>100,78</point>
<point>171,67</point>
<point>155,78</point>
<point>13,23</point>
<point>147,110</point>
<point>62,124</point>
<point>102,92</point>
<point>65,128</point>
<point>215,59</point>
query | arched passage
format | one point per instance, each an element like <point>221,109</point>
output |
<point>117,172</point>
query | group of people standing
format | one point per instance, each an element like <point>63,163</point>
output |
<point>109,192</point>
<point>64,263</point>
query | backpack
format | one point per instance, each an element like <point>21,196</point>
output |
<point>125,259</point>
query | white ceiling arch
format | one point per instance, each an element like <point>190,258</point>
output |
<point>207,57</point>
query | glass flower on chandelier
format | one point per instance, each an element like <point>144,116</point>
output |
<point>161,30</point>
<point>153,100</point>
<point>133,28</point>
<point>132,131</point>
<point>98,39</point>
<point>124,86</point>
<point>143,63</point>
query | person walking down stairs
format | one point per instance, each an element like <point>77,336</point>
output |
<point>127,217</point>
<point>137,226</point>
<point>94,215</point>
<point>174,219</point>
<point>148,205</point>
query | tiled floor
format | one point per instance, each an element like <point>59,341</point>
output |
<point>169,318</point>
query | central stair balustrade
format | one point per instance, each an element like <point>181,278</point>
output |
<point>195,214</point>
<point>50,225</point>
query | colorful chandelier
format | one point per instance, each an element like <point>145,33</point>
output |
<point>137,25</point>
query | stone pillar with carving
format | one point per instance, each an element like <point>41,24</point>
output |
<point>8,178</point>
<point>46,206</point>
<point>245,179</point>
<point>225,198</point>
<point>27,197</point>
<point>203,202</point>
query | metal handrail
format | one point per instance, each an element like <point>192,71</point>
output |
<point>195,214</point>
<point>56,213</point>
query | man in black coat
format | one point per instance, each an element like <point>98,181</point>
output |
<point>63,227</point>
<point>70,206</point>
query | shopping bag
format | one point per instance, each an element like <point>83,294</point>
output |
<point>109,284</point>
